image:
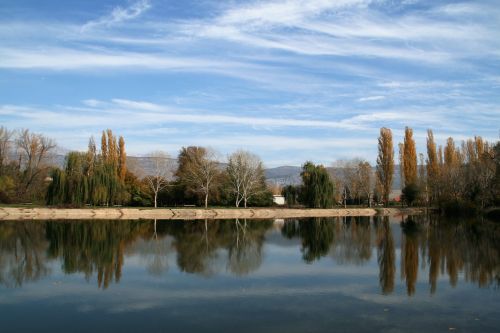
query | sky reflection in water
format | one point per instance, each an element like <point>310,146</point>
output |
<point>338,274</point>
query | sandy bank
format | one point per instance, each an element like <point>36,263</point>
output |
<point>11,213</point>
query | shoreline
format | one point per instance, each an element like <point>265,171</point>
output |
<point>13,213</point>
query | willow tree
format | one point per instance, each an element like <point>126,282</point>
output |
<point>89,178</point>
<point>317,186</point>
<point>385,163</point>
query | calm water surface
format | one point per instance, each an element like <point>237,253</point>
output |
<point>310,275</point>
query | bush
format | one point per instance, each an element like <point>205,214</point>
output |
<point>410,193</point>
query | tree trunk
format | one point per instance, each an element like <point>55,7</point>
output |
<point>156,196</point>
<point>206,200</point>
<point>245,202</point>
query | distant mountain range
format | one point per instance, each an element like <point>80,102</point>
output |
<point>290,175</point>
<point>282,175</point>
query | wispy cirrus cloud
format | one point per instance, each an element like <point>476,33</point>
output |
<point>371,98</point>
<point>315,70</point>
<point>227,131</point>
<point>118,15</point>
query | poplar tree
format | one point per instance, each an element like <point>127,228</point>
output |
<point>432,167</point>
<point>401,147</point>
<point>409,158</point>
<point>91,157</point>
<point>122,159</point>
<point>104,146</point>
<point>385,163</point>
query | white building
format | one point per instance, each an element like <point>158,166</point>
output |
<point>279,200</point>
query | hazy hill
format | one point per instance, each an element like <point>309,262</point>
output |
<point>282,175</point>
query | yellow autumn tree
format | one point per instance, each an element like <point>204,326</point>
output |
<point>409,158</point>
<point>122,159</point>
<point>432,168</point>
<point>385,163</point>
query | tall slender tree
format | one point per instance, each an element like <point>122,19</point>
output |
<point>432,168</point>
<point>385,163</point>
<point>104,146</point>
<point>401,161</point>
<point>122,159</point>
<point>5,136</point>
<point>409,158</point>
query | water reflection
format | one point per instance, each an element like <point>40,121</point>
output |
<point>386,254</point>
<point>429,248</point>
<point>23,253</point>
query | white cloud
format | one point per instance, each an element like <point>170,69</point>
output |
<point>119,15</point>
<point>351,28</point>
<point>288,12</point>
<point>371,98</point>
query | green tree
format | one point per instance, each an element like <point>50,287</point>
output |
<point>318,188</point>
<point>410,193</point>
<point>89,178</point>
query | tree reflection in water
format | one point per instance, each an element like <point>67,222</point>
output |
<point>98,248</point>
<point>386,254</point>
<point>22,252</point>
<point>409,254</point>
<point>317,235</point>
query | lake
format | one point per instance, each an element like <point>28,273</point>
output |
<point>380,274</point>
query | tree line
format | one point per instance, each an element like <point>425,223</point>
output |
<point>452,178</point>
<point>449,177</point>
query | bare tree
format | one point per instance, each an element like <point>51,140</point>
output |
<point>365,180</point>
<point>198,170</point>
<point>346,178</point>
<point>353,179</point>
<point>161,173</point>
<point>246,174</point>
<point>5,136</point>
<point>34,149</point>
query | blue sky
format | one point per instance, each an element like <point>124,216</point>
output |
<point>290,80</point>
